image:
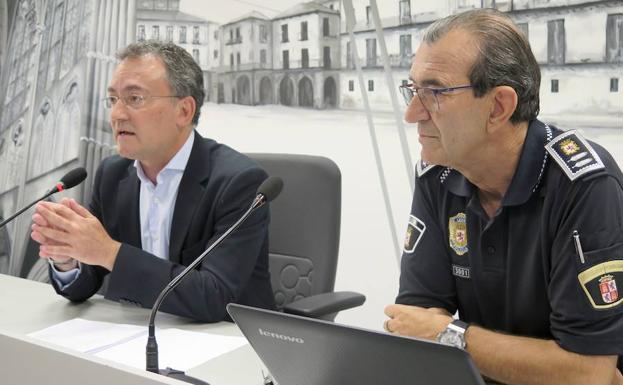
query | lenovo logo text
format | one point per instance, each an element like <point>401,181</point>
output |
<point>281,337</point>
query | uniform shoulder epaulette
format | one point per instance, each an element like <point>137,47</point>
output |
<point>574,154</point>
<point>422,168</point>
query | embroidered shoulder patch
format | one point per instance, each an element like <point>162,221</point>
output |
<point>415,231</point>
<point>422,168</point>
<point>457,233</point>
<point>600,284</point>
<point>574,154</point>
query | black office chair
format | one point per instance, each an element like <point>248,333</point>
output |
<point>305,234</point>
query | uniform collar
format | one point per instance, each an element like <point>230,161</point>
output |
<point>527,175</point>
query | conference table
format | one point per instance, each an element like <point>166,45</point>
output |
<point>28,306</point>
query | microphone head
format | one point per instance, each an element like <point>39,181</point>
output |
<point>270,188</point>
<point>73,178</point>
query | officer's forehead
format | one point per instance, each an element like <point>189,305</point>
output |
<point>445,61</point>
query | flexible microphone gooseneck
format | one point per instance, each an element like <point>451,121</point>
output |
<point>267,191</point>
<point>69,180</point>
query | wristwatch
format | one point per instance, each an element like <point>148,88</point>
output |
<point>454,334</point>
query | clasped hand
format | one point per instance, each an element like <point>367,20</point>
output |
<point>67,230</point>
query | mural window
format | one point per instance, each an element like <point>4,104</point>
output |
<point>161,4</point>
<point>554,86</point>
<point>371,52</point>
<point>70,35</point>
<point>18,57</point>
<point>216,35</point>
<point>326,57</point>
<point>262,56</point>
<point>404,10</point>
<point>304,58</point>
<point>303,36</point>
<point>231,36</point>
<point>55,44</point>
<point>196,34</point>
<point>182,35</point>
<point>196,55</point>
<point>45,48</point>
<point>326,31</point>
<point>406,50</point>
<point>370,85</point>
<point>141,33</point>
<point>238,36</point>
<point>170,33</point>
<point>556,41</point>
<point>155,32</point>
<point>351,85</point>
<point>614,84</point>
<point>284,33</point>
<point>350,59</point>
<point>238,58</point>
<point>286,59</point>
<point>216,54</point>
<point>368,15</point>
<point>524,29</point>
<point>231,60</point>
<point>263,34</point>
<point>614,38</point>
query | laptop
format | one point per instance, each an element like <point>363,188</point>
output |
<point>305,351</point>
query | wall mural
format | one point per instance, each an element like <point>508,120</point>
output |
<point>57,56</point>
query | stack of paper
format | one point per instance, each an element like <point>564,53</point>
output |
<point>125,344</point>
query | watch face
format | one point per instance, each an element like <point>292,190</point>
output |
<point>452,338</point>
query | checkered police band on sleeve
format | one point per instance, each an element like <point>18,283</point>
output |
<point>415,231</point>
<point>602,284</point>
<point>574,154</point>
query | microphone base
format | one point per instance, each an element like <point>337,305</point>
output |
<point>181,376</point>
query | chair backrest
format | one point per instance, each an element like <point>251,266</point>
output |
<point>304,225</point>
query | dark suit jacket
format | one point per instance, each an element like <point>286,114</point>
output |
<point>217,187</point>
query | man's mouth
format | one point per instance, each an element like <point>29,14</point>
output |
<point>124,133</point>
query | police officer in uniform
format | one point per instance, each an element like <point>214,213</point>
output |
<point>515,224</point>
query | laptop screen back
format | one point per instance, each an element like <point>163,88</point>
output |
<point>304,351</point>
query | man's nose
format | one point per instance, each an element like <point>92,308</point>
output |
<point>416,112</point>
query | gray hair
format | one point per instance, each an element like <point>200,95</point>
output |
<point>504,57</point>
<point>183,73</point>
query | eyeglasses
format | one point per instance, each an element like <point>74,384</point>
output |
<point>427,95</point>
<point>134,101</point>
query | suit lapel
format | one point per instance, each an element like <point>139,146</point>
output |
<point>189,195</point>
<point>128,194</point>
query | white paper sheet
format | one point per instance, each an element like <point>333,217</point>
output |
<point>125,344</point>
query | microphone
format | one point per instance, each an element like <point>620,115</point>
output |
<point>268,190</point>
<point>69,180</point>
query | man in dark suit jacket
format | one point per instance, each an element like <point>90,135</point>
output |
<point>160,204</point>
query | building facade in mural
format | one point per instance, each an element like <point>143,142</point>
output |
<point>581,72</point>
<point>162,20</point>
<point>54,70</point>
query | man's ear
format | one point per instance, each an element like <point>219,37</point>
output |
<point>504,104</point>
<point>186,108</point>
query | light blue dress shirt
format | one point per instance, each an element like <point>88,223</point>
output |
<point>156,206</point>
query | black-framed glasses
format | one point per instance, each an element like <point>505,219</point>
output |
<point>134,101</point>
<point>427,95</point>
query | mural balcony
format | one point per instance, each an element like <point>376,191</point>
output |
<point>237,40</point>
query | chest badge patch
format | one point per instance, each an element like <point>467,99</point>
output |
<point>457,233</point>
<point>415,230</point>
<point>600,284</point>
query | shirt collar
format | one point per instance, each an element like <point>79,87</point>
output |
<point>527,174</point>
<point>178,162</point>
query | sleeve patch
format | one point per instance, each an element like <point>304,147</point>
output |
<point>574,154</point>
<point>415,231</point>
<point>600,284</point>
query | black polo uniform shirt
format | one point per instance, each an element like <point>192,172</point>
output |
<point>520,272</point>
